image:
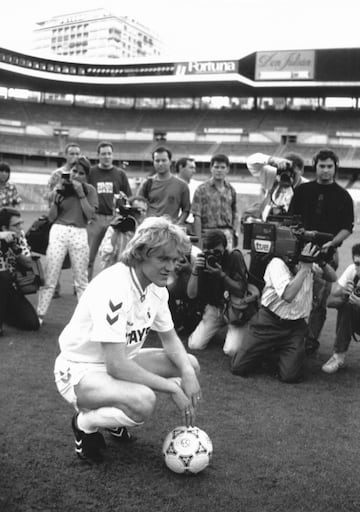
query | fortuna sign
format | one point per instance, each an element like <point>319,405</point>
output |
<point>205,68</point>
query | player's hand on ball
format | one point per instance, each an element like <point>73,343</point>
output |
<point>183,403</point>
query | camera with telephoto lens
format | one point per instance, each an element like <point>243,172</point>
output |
<point>14,245</point>
<point>284,236</point>
<point>287,175</point>
<point>125,221</point>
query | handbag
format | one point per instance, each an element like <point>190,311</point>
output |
<point>37,237</point>
<point>239,313</point>
<point>29,280</point>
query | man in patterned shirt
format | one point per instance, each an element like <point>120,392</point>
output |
<point>8,192</point>
<point>214,203</point>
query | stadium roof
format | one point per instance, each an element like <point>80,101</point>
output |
<point>300,73</point>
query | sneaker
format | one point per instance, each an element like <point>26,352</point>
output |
<point>121,434</point>
<point>87,446</point>
<point>41,320</point>
<point>335,362</point>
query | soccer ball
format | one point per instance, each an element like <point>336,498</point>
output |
<point>187,450</point>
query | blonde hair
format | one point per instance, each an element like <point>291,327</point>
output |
<point>154,233</point>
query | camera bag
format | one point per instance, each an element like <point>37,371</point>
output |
<point>29,280</point>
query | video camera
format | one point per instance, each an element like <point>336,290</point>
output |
<point>283,236</point>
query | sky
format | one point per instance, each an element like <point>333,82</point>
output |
<point>207,29</point>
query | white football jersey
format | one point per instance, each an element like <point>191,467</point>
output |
<point>114,309</point>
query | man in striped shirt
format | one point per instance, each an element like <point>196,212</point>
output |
<point>279,327</point>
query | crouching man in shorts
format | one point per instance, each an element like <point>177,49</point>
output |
<point>102,369</point>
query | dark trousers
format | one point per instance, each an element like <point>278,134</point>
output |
<point>346,324</point>
<point>268,334</point>
<point>321,292</point>
<point>15,309</point>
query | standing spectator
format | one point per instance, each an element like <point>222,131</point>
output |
<point>72,153</point>
<point>214,204</point>
<point>15,309</point>
<point>346,295</point>
<point>323,206</point>
<point>73,205</point>
<point>108,180</point>
<point>121,229</point>
<point>185,169</point>
<point>165,193</point>
<point>219,279</point>
<point>8,192</point>
<point>278,178</point>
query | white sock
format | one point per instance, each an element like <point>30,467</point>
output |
<point>104,417</point>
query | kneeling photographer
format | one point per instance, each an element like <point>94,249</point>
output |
<point>73,204</point>
<point>279,327</point>
<point>345,297</point>
<point>15,309</point>
<point>219,279</point>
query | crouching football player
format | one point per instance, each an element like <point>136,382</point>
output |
<point>102,369</point>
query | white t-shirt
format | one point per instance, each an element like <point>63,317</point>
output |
<point>114,309</point>
<point>348,275</point>
<point>277,277</point>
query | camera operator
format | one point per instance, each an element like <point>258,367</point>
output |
<point>219,280</point>
<point>345,297</point>
<point>278,178</point>
<point>279,326</point>
<point>130,212</point>
<point>74,203</point>
<point>323,205</point>
<point>15,309</point>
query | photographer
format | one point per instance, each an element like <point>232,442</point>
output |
<point>345,297</point>
<point>279,326</point>
<point>15,309</point>
<point>74,202</point>
<point>219,280</point>
<point>186,313</point>
<point>278,178</point>
<point>129,214</point>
